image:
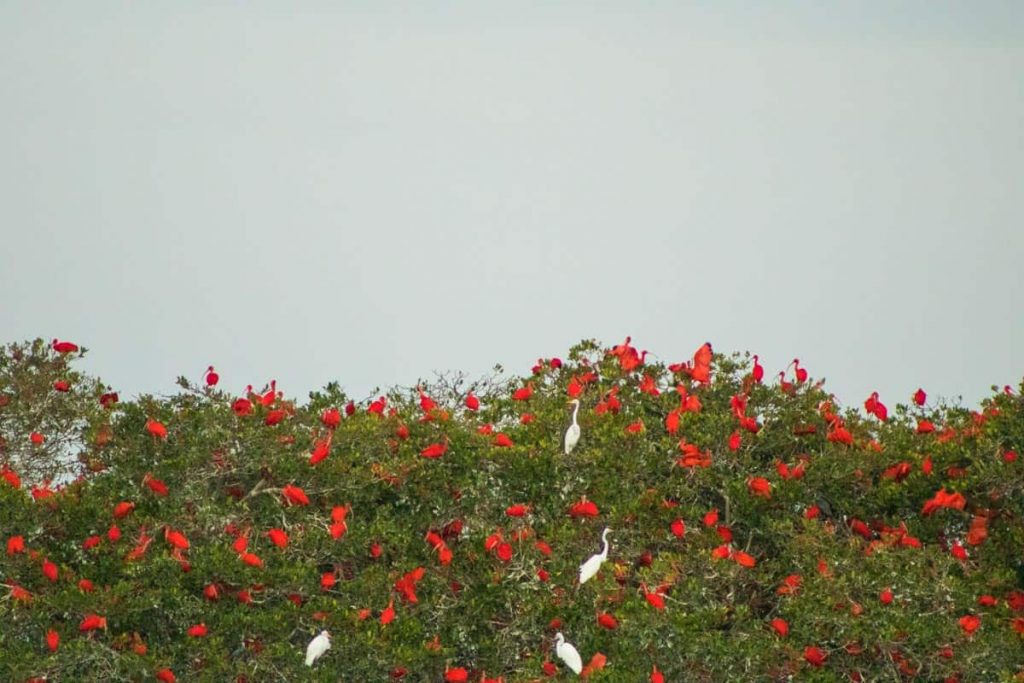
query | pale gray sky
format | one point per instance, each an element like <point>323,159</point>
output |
<point>369,192</point>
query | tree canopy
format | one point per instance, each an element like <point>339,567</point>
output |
<point>759,530</point>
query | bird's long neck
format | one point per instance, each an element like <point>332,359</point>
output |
<point>604,538</point>
<point>575,410</point>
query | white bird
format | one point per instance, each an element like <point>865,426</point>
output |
<point>590,567</point>
<point>572,433</point>
<point>317,647</point>
<point>568,654</point>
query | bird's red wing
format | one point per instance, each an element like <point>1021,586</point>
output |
<point>702,364</point>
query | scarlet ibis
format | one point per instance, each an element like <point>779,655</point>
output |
<point>590,567</point>
<point>63,346</point>
<point>568,654</point>
<point>572,432</point>
<point>317,647</point>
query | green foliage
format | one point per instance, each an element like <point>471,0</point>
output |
<point>226,471</point>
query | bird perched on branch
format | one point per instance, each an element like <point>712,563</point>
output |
<point>317,647</point>
<point>568,654</point>
<point>590,567</point>
<point>572,432</point>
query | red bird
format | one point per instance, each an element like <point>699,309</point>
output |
<point>875,407</point>
<point>388,615</point>
<point>672,422</point>
<point>139,550</point>
<point>251,560</point>
<point>211,377</point>
<point>435,450</point>
<point>278,537</point>
<point>123,508</point>
<point>944,499</point>
<point>155,428</point>
<point>678,528</point>
<point>321,450</point>
<point>427,404</point>
<point>241,543</point>
<point>64,346</point>
<point>456,675</point>
<point>759,486</point>
<point>502,440</point>
<point>155,485</point>
<point>701,369</point>
<point>523,393</point>
<point>815,656</point>
<point>801,374</point>
<point>92,622</point>
<point>274,417</point>
<point>295,495</point>
<point>241,407</point>
<point>757,371</point>
<point>331,418</point>
<point>492,541</point>
<point>176,538</point>
<point>19,593</point>
<point>743,559</point>
<point>654,599</point>
<point>15,545</point>
<point>472,402</point>
<point>267,399</point>
<point>377,407</point>
<point>622,348</point>
<point>504,552</point>
<point>584,508</point>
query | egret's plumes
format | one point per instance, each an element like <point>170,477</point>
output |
<point>572,433</point>
<point>589,568</point>
<point>568,654</point>
<point>317,647</point>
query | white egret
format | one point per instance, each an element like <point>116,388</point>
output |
<point>590,567</point>
<point>317,647</point>
<point>568,654</point>
<point>572,433</point>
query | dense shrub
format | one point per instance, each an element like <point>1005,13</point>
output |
<point>759,531</point>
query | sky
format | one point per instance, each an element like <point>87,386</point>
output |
<point>370,192</point>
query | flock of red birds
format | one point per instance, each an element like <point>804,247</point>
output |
<point>698,370</point>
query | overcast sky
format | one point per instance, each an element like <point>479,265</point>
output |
<point>369,192</point>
